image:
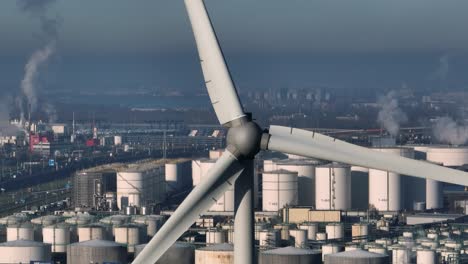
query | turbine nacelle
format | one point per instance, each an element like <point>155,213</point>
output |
<point>244,139</point>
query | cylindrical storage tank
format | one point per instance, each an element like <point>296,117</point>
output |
<point>426,256</point>
<point>279,189</point>
<point>306,178</point>
<point>289,255</point>
<point>401,254</point>
<point>356,257</point>
<point>299,236</point>
<point>179,253</point>
<point>321,236</point>
<point>445,156</point>
<point>96,251</point>
<point>269,238</point>
<point>224,203</point>
<point>269,165</point>
<point>359,232</point>
<point>407,242</point>
<point>24,231</point>
<point>330,249</point>
<point>178,175</point>
<point>92,232</point>
<point>24,251</point>
<point>449,255</point>
<point>131,189</point>
<point>216,236</point>
<point>117,140</point>
<point>219,253</point>
<point>116,220</point>
<point>153,223</point>
<point>128,235</point>
<point>385,188</point>
<point>335,231</point>
<point>284,230</point>
<point>260,226</point>
<point>434,199</point>
<point>58,236</point>
<point>47,220</point>
<point>80,220</point>
<point>433,236</point>
<point>13,219</point>
<point>332,187</point>
<point>312,229</point>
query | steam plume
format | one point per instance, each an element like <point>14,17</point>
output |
<point>442,71</point>
<point>49,29</point>
<point>390,115</point>
<point>446,130</point>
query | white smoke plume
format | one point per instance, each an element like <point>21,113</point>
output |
<point>390,115</point>
<point>37,9</point>
<point>446,130</point>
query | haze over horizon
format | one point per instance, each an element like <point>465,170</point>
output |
<point>120,44</point>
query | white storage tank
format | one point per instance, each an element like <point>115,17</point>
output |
<point>219,253</point>
<point>426,256</point>
<point>335,231</point>
<point>377,249</point>
<point>352,246</point>
<point>359,232</point>
<point>385,188</point>
<point>58,236</point>
<point>312,229</point>
<point>178,175</point>
<point>299,236</point>
<point>269,165</point>
<point>96,251</point>
<point>332,187</point>
<point>269,238</point>
<point>24,251</point>
<point>47,220</point>
<point>284,230</point>
<point>14,219</point>
<point>80,220</point>
<point>290,255</point>
<point>117,140</point>
<point>279,189</point>
<point>306,178</point>
<point>178,253</point>
<point>445,156</point>
<point>24,231</point>
<point>92,232</point>
<point>330,249</point>
<point>356,257</point>
<point>152,222</point>
<point>224,203</point>
<point>401,254</point>
<point>129,235</point>
<point>216,236</point>
<point>131,189</point>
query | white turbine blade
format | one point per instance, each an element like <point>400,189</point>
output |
<point>218,179</point>
<point>315,145</point>
<point>223,94</point>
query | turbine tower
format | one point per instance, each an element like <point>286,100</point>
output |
<point>245,139</point>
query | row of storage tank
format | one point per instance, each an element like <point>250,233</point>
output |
<point>82,238</point>
<point>306,182</point>
<point>58,235</point>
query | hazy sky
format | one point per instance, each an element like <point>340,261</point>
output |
<point>153,38</point>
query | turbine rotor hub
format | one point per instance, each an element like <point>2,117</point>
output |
<point>244,139</point>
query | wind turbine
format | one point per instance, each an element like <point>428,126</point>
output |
<point>245,139</point>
